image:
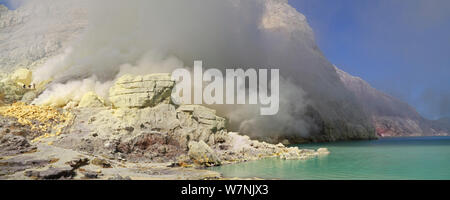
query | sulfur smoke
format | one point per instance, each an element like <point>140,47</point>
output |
<point>147,36</point>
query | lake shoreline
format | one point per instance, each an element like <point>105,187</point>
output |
<point>394,158</point>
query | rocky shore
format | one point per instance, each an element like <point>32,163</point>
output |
<point>136,133</point>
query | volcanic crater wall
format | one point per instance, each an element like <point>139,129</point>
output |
<point>83,49</point>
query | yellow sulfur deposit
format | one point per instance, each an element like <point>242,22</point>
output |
<point>45,119</point>
<point>91,99</point>
<point>22,76</point>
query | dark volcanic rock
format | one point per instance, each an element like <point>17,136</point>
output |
<point>12,145</point>
<point>52,173</point>
<point>13,165</point>
<point>10,125</point>
<point>118,177</point>
<point>90,174</point>
<point>77,163</point>
<point>150,146</point>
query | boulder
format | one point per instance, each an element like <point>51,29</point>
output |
<point>91,100</point>
<point>90,174</point>
<point>11,92</point>
<point>323,151</point>
<point>204,116</point>
<point>117,177</point>
<point>78,162</point>
<point>13,144</point>
<point>22,76</point>
<point>141,91</point>
<point>202,154</point>
<point>292,153</point>
<point>14,86</point>
<point>52,173</point>
<point>101,162</point>
<point>29,96</point>
<point>21,163</point>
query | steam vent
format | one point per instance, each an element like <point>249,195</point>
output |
<point>135,128</point>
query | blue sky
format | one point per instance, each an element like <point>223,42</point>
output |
<point>401,47</point>
<point>11,4</point>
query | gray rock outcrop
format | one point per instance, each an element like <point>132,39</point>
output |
<point>141,91</point>
<point>201,153</point>
<point>12,145</point>
<point>139,131</point>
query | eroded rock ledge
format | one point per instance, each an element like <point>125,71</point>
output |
<point>138,124</point>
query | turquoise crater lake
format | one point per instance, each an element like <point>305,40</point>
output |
<point>388,158</point>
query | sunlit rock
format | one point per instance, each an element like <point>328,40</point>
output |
<point>141,91</point>
<point>92,100</point>
<point>22,77</point>
<point>202,154</point>
<point>204,115</point>
<point>11,92</point>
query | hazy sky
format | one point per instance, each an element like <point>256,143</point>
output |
<point>11,4</point>
<point>401,47</point>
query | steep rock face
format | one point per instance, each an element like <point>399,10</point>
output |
<point>333,111</point>
<point>36,31</point>
<point>280,16</point>
<point>390,116</point>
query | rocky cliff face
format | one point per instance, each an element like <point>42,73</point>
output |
<point>390,116</point>
<point>36,32</point>
<point>333,111</point>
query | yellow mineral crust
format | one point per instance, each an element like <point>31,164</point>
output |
<point>22,76</point>
<point>49,120</point>
<point>91,99</point>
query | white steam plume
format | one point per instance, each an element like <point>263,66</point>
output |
<point>159,35</point>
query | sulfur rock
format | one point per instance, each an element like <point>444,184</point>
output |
<point>203,115</point>
<point>22,76</point>
<point>11,92</point>
<point>141,91</point>
<point>323,151</point>
<point>29,96</point>
<point>202,154</point>
<point>91,100</point>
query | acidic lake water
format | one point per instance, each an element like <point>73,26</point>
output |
<point>392,158</point>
